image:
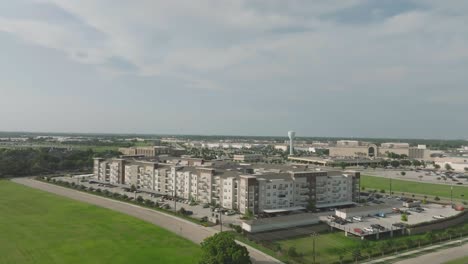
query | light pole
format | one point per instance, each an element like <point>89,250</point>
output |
<point>451,195</point>
<point>314,234</point>
<point>221,221</point>
<point>175,201</point>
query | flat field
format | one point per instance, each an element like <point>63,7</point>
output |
<point>38,227</point>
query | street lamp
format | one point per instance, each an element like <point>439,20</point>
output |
<point>314,234</point>
<point>451,194</point>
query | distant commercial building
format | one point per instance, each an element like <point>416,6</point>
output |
<point>347,148</point>
<point>248,157</point>
<point>150,151</point>
<point>457,163</point>
<point>260,188</point>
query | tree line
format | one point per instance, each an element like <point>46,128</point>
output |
<point>34,161</point>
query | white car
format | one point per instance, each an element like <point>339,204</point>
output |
<point>357,218</point>
<point>368,229</point>
<point>438,217</point>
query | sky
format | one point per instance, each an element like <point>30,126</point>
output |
<point>341,68</point>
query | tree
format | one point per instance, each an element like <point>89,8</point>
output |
<point>437,198</point>
<point>405,162</point>
<point>429,236</point>
<point>395,163</point>
<point>356,253</point>
<point>403,173</point>
<point>139,199</point>
<point>381,247</point>
<point>416,163</point>
<point>133,188</point>
<point>436,166</point>
<point>420,177</point>
<point>221,248</point>
<point>384,163</point>
<point>343,165</point>
<point>404,217</point>
<point>373,166</point>
<point>409,243</point>
<point>248,214</point>
<point>448,167</point>
<point>182,211</point>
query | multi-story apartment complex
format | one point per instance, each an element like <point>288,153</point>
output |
<point>258,188</point>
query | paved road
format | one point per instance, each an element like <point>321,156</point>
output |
<point>184,228</point>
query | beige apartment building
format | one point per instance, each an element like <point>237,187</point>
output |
<point>351,148</point>
<point>260,188</point>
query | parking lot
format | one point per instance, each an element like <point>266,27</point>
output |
<point>391,222</point>
<point>198,210</point>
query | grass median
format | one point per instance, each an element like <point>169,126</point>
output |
<point>39,227</point>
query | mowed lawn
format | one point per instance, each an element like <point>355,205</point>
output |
<point>327,246</point>
<point>38,227</point>
<point>431,189</point>
<point>463,260</point>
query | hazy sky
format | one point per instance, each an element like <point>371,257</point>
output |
<point>382,68</point>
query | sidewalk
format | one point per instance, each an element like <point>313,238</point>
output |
<point>454,242</point>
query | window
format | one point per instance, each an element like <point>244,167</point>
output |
<point>268,187</point>
<point>274,186</point>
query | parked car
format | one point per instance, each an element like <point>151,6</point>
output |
<point>357,218</point>
<point>230,212</point>
<point>438,217</point>
<point>368,229</point>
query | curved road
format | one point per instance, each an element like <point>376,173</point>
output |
<point>184,228</point>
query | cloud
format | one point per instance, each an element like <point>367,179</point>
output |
<point>269,50</point>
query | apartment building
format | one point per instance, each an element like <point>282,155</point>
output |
<point>260,188</point>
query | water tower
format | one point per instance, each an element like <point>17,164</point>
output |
<point>291,135</point>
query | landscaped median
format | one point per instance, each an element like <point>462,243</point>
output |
<point>147,203</point>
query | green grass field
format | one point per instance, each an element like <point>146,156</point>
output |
<point>413,187</point>
<point>463,260</point>
<point>327,246</point>
<point>38,227</point>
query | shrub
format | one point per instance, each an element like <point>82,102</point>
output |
<point>292,252</point>
<point>404,217</point>
<point>437,198</point>
<point>139,199</point>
